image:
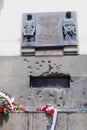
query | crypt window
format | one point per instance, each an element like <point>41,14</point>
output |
<point>50,82</point>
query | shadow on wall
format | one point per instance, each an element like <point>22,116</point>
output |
<point>3,119</point>
<point>1,4</point>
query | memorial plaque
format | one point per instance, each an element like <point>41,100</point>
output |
<point>49,29</point>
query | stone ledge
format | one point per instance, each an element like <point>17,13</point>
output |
<point>55,51</point>
<point>70,50</point>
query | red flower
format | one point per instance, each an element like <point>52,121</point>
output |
<point>0,110</point>
<point>38,109</point>
<point>50,111</point>
<point>44,107</point>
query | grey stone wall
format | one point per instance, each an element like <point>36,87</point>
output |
<point>15,75</point>
<point>39,121</point>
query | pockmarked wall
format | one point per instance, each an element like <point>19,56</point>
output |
<point>37,80</point>
<point>16,75</point>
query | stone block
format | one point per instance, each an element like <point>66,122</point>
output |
<point>14,121</point>
<point>28,51</point>
<point>77,121</point>
<point>61,122</point>
<point>49,52</point>
<point>70,50</point>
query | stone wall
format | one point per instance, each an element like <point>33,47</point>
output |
<point>15,73</point>
<point>39,121</point>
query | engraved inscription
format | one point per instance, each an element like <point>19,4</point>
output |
<point>48,29</point>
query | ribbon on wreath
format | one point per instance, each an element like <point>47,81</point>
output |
<point>50,110</point>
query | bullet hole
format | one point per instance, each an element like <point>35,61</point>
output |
<point>39,94</point>
<point>29,98</point>
<point>51,94</point>
<point>50,67</point>
<point>43,61</point>
<point>58,105</point>
<point>26,60</point>
<point>37,62</point>
<point>49,61</point>
<point>61,98</point>
<point>40,65</point>
<point>30,70</point>
<point>29,67</point>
